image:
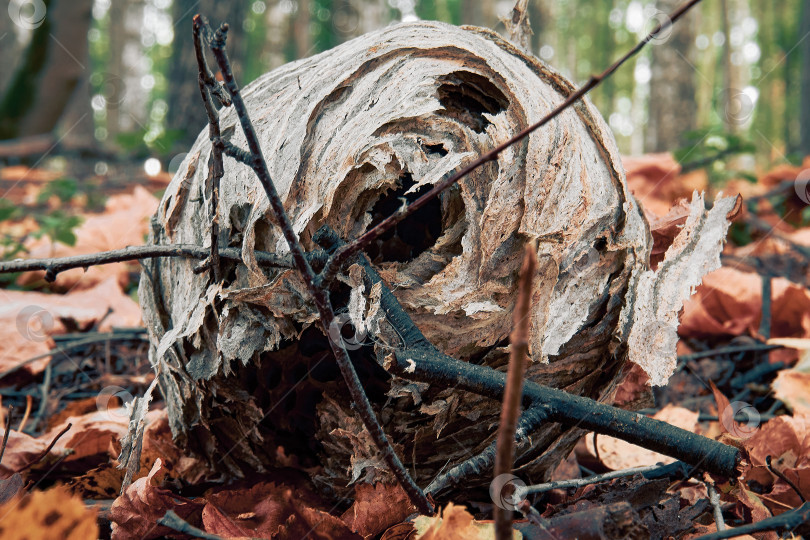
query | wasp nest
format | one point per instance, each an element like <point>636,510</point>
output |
<point>349,136</point>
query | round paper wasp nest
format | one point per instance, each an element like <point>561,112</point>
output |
<point>349,135</point>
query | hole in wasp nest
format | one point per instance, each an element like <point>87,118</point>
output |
<point>418,232</point>
<point>466,96</point>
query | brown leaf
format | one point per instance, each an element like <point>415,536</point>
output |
<point>10,487</point>
<point>47,514</point>
<point>123,223</point>
<point>134,514</point>
<point>454,523</point>
<point>20,451</point>
<point>665,229</point>
<point>377,507</point>
<point>29,318</point>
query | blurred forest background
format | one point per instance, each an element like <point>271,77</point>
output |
<point>729,87</point>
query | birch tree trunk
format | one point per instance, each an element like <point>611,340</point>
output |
<point>348,135</point>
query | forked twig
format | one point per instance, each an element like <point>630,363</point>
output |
<point>320,295</point>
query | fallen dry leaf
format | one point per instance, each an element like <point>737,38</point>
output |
<point>27,319</point>
<point>656,181</point>
<point>123,223</point>
<point>665,229</point>
<point>729,303</point>
<point>787,440</point>
<point>377,507</point>
<point>134,514</point>
<point>455,523</point>
<point>45,515</point>
<point>792,386</point>
<point>20,451</point>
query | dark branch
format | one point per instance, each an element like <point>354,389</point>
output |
<point>319,294</point>
<point>133,253</point>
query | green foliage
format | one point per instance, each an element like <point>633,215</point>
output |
<point>141,144</point>
<point>58,226</point>
<point>713,149</point>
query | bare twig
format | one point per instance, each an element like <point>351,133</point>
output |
<point>45,452</point>
<point>522,492</point>
<point>319,294</point>
<point>570,410</point>
<point>728,350</point>
<point>714,500</point>
<point>779,474</point>
<point>5,435</point>
<point>132,253</point>
<point>29,401</point>
<point>342,255</point>
<point>210,88</point>
<point>795,520</point>
<point>512,395</point>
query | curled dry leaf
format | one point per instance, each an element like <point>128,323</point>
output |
<point>455,523</point>
<point>377,507</point>
<point>135,513</point>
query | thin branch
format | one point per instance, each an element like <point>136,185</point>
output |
<point>779,474</point>
<point>45,452</point>
<point>320,295</point>
<point>728,350</point>
<point>795,520</point>
<point>522,492</point>
<point>132,253</point>
<point>6,434</point>
<point>341,256</point>
<point>714,500</point>
<point>510,410</point>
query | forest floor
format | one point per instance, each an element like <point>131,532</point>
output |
<point>72,352</point>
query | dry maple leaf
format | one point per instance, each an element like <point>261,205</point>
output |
<point>45,515</point>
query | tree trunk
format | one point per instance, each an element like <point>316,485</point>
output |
<point>348,134</point>
<point>804,30</point>
<point>184,93</point>
<point>672,109</point>
<point>55,63</point>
